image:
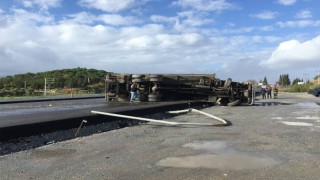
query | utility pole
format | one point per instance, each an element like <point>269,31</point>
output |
<point>318,77</point>
<point>47,83</point>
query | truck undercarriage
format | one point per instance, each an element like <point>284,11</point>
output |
<point>168,87</point>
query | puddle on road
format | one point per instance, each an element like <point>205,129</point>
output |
<point>217,155</point>
<point>270,104</point>
<point>208,146</point>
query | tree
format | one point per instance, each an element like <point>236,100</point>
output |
<point>284,80</point>
<point>265,81</point>
<point>75,78</point>
<point>296,80</point>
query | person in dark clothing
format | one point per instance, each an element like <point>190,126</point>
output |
<point>269,90</point>
<point>263,92</point>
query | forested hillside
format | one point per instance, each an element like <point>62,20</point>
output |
<point>29,83</point>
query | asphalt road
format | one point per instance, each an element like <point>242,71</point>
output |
<point>276,139</point>
<point>23,113</point>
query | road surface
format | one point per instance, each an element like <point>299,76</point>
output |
<point>276,139</point>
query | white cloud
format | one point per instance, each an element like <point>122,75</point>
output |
<point>77,43</point>
<point>36,42</point>
<point>266,28</point>
<point>41,4</point>
<point>295,54</point>
<point>27,4</point>
<point>80,18</point>
<point>3,18</point>
<point>117,20</point>
<point>108,5</point>
<point>23,16</point>
<point>184,21</point>
<point>239,30</point>
<point>205,5</point>
<point>247,29</point>
<point>304,14</point>
<point>39,47</point>
<point>287,2</point>
<point>191,18</point>
<point>300,24</point>
<point>266,15</point>
<point>163,19</point>
<point>110,19</point>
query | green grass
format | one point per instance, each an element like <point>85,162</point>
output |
<point>302,87</point>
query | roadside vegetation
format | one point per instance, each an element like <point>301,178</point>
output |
<point>284,84</point>
<point>302,87</point>
<point>77,81</point>
<point>297,85</point>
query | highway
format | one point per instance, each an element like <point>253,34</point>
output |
<point>275,139</point>
<point>24,113</point>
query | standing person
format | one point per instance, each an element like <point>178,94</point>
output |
<point>263,92</point>
<point>269,90</point>
<point>133,91</point>
<point>275,92</point>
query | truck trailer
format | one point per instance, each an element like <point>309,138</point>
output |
<point>171,87</point>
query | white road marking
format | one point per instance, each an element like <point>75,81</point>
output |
<point>296,123</point>
<point>277,118</point>
<point>309,118</point>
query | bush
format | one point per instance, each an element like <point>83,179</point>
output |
<point>300,88</point>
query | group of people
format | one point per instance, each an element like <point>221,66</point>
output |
<point>266,92</point>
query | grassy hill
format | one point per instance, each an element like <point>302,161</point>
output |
<point>79,79</point>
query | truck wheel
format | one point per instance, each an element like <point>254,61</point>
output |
<point>156,79</point>
<point>154,97</point>
<point>137,80</point>
<point>227,83</point>
<point>155,76</point>
<point>136,76</point>
<point>111,80</point>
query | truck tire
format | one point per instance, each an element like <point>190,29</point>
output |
<point>159,79</point>
<point>136,76</point>
<point>111,80</point>
<point>137,80</point>
<point>154,97</point>
<point>227,83</point>
<point>155,76</point>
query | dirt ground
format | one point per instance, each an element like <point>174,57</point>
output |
<point>275,139</point>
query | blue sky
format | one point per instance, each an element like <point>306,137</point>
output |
<point>241,39</point>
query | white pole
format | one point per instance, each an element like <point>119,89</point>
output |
<point>45,87</point>
<point>212,116</point>
<point>166,122</point>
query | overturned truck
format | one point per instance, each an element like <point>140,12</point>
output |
<point>168,87</point>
